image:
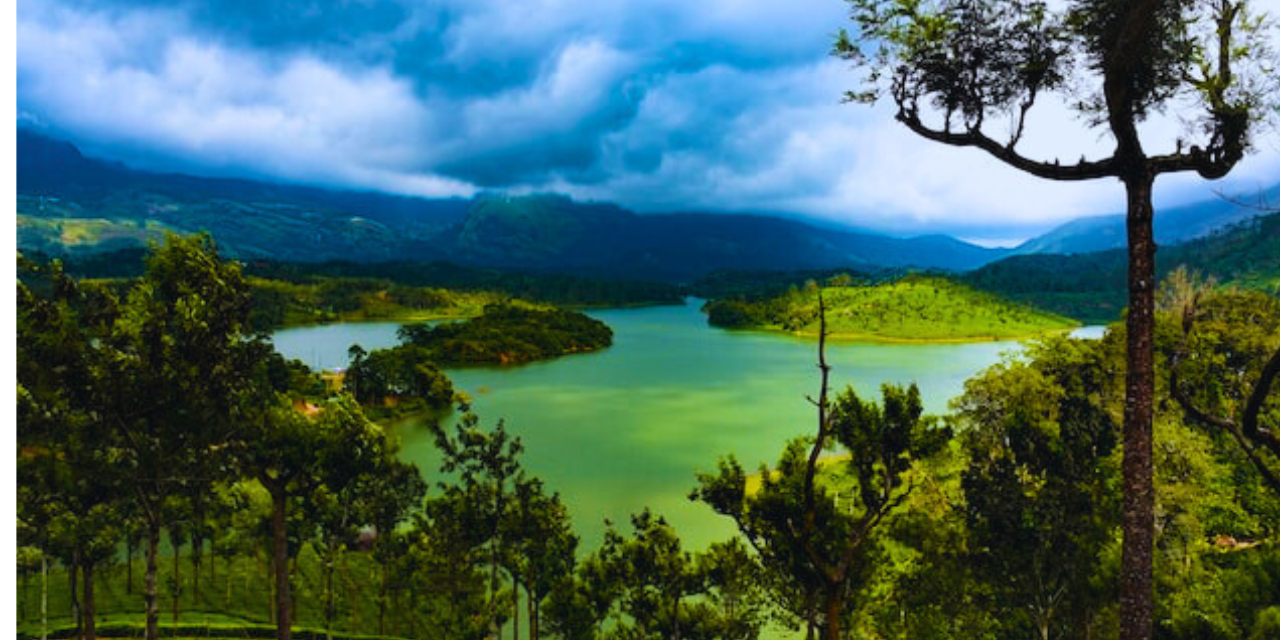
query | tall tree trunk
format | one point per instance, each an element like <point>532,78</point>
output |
<point>834,607</point>
<point>44,596</point>
<point>196,544</point>
<point>229,578</point>
<point>533,616</point>
<point>151,595</point>
<point>128,554</point>
<point>344,570</point>
<point>495,631</point>
<point>327,580</point>
<point>90,628</point>
<point>177,579</point>
<point>515,608</point>
<point>280,555</point>
<point>1138,522</point>
<point>72,575</point>
<point>382,601</point>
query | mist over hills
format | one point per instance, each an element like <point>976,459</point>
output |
<point>1173,225</point>
<point>72,204</point>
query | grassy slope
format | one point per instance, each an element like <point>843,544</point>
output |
<point>914,309</point>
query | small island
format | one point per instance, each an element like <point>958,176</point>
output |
<point>915,308</point>
<point>509,333</point>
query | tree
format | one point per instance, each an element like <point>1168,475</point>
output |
<point>292,455</point>
<point>392,495</point>
<point>1037,486</point>
<point>173,371</point>
<point>69,478</point>
<point>541,548</point>
<point>956,70</point>
<point>1227,347</point>
<point>812,523</point>
<point>441,568</point>
<point>655,576</point>
<point>487,464</point>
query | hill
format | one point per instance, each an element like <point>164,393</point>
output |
<point>1172,225</point>
<point>69,204</point>
<point>1092,287</point>
<point>913,308</point>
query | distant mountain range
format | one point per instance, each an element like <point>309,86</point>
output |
<point>1093,287</point>
<point>69,203</point>
<point>1172,226</point>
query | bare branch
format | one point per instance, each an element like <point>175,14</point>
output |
<point>1261,389</point>
<point>812,469</point>
<point>974,137</point>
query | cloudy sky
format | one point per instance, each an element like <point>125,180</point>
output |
<point>659,105</point>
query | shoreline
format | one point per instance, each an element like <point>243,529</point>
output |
<point>867,338</point>
<point>428,316</point>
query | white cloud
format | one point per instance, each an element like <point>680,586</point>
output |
<point>296,117</point>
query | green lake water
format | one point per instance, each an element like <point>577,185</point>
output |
<point>630,426</point>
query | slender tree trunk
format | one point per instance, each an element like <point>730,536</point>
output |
<point>531,609</point>
<point>1138,523</point>
<point>345,571</point>
<point>515,608</point>
<point>90,628</point>
<point>228,570</point>
<point>44,596</point>
<point>177,579</point>
<point>495,631</point>
<point>382,601</point>
<point>72,578</point>
<point>151,595</point>
<point>834,607</point>
<point>269,576</point>
<point>196,544</point>
<point>328,592</point>
<point>128,554</point>
<point>280,553</point>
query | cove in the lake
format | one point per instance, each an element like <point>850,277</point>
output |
<point>630,426</point>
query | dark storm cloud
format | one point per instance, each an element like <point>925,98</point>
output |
<point>506,93</point>
<point>657,104</point>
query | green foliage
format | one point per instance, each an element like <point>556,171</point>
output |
<point>1091,287</point>
<point>401,374</point>
<point>911,308</point>
<point>814,534</point>
<point>510,334</point>
<point>1038,488</point>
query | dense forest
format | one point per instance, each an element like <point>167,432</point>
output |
<point>173,468</point>
<point>913,307</point>
<point>288,294</point>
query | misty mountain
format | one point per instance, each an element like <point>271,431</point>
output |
<point>69,203</point>
<point>1172,225</point>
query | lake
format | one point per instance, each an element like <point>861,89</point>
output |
<point>630,426</point>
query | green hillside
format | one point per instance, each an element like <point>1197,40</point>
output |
<point>1092,287</point>
<point>914,308</point>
